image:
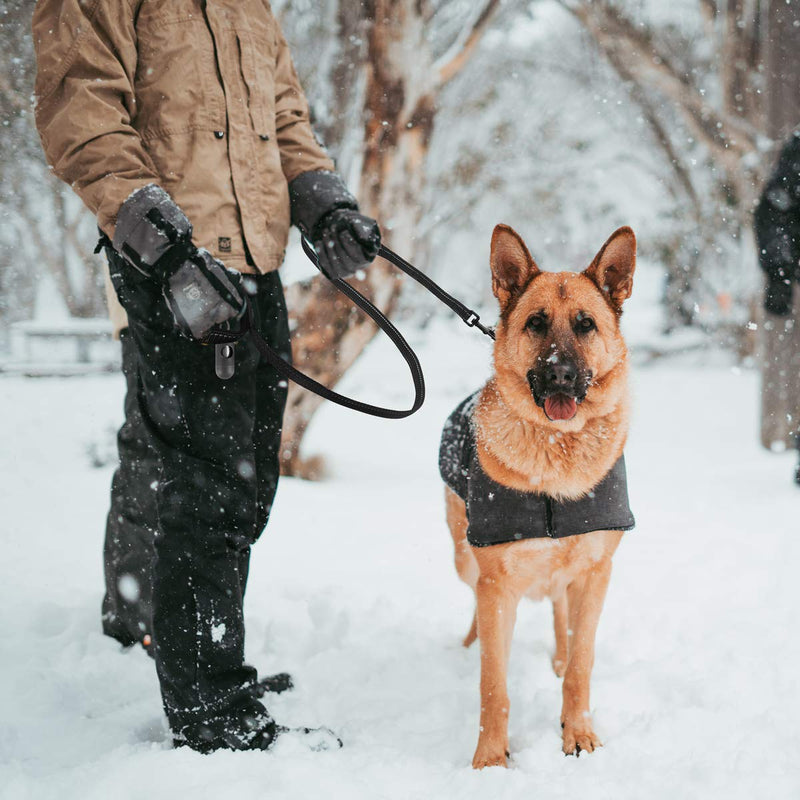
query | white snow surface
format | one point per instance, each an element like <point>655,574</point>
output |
<point>352,589</point>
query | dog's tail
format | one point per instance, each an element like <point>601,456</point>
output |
<point>473,630</point>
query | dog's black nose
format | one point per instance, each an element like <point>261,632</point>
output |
<point>561,376</point>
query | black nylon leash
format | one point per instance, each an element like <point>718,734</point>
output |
<point>287,371</point>
<point>468,316</point>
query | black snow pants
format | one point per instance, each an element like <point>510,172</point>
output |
<point>132,521</point>
<point>213,447</point>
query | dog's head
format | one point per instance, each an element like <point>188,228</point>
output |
<point>559,356</point>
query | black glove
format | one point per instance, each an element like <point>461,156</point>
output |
<point>154,236</point>
<point>327,214</point>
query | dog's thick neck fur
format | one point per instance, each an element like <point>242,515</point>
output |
<point>520,448</point>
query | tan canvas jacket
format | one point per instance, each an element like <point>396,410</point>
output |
<point>199,96</point>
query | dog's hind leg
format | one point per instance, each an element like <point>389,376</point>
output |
<point>466,564</point>
<point>472,635</point>
<point>561,655</point>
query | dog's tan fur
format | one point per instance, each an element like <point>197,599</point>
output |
<point>518,446</point>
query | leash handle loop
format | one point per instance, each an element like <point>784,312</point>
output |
<point>289,372</point>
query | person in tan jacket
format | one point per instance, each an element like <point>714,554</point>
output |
<point>184,129</point>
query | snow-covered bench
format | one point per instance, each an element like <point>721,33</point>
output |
<point>82,331</point>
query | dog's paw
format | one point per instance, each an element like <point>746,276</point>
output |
<point>559,666</point>
<point>579,739</point>
<point>489,757</point>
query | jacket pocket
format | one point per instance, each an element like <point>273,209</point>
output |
<point>257,57</point>
<point>176,87</point>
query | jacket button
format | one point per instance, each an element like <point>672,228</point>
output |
<point>219,134</point>
<point>264,137</point>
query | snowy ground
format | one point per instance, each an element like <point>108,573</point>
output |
<point>352,588</point>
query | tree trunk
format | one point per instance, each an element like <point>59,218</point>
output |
<point>780,342</point>
<point>398,114</point>
<point>740,61</point>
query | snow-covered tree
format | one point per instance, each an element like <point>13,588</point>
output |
<point>45,228</point>
<point>378,100</point>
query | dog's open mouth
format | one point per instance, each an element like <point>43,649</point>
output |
<point>560,407</point>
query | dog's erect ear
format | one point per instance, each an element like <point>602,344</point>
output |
<point>612,268</point>
<point>512,265</point>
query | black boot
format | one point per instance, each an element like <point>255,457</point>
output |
<point>249,727</point>
<point>273,684</point>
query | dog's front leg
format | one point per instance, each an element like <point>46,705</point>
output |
<point>561,656</point>
<point>585,600</point>
<point>496,613</point>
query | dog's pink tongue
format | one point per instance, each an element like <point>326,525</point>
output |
<point>559,406</point>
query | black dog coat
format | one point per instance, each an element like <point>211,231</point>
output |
<point>497,514</point>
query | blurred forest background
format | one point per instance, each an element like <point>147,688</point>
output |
<point>562,118</point>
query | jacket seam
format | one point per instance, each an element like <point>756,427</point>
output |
<point>71,53</point>
<point>69,59</point>
<point>160,133</point>
<point>162,23</point>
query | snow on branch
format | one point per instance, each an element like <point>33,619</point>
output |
<point>633,49</point>
<point>453,61</point>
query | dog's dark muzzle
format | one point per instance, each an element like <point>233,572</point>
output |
<point>562,378</point>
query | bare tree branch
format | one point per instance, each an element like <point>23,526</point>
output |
<point>727,134</point>
<point>11,96</point>
<point>663,140</point>
<point>631,50</point>
<point>447,67</point>
<point>709,9</point>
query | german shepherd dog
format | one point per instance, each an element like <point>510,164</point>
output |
<point>550,425</point>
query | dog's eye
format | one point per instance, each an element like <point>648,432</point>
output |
<point>537,324</point>
<point>584,324</point>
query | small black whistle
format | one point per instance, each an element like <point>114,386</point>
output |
<point>224,361</point>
